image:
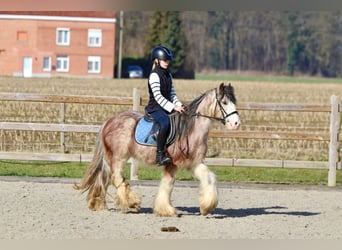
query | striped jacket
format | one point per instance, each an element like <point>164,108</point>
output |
<point>161,91</point>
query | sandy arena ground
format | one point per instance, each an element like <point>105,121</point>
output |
<point>49,208</point>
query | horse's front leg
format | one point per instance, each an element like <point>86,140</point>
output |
<point>162,202</point>
<point>208,195</point>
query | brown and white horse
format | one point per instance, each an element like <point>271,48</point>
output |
<point>116,144</point>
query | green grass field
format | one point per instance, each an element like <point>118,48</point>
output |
<point>224,174</point>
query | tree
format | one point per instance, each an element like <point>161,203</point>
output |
<point>295,45</point>
<point>309,42</point>
<point>174,39</point>
<point>216,24</point>
<point>335,47</point>
<point>194,24</point>
<point>134,32</point>
<point>165,28</point>
<point>328,44</point>
<point>157,26</point>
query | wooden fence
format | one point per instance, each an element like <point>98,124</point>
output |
<point>136,101</point>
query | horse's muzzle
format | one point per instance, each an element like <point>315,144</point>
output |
<point>233,122</point>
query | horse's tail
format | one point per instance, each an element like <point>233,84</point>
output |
<point>97,177</point>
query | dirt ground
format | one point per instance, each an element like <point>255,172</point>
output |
<point>49,208</point>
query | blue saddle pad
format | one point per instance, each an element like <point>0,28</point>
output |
<point>145,136</point>
<point>143,133</point>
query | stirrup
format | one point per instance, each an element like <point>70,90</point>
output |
<point>163,160</point>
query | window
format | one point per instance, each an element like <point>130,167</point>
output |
<point>62,64</point>
<point>47,63</point>
<point>63,36</point>
<point>94,38</point>
<point>22,36</point>
<point>94,64</point>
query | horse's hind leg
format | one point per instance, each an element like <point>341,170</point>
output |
<point>125,199</point>
<point>96,198</point>
<point>208,196</point>
<point>162,203</point>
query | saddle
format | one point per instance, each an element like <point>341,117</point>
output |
<point>147,129</point>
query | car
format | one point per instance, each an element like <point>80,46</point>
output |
<point>135,71</point>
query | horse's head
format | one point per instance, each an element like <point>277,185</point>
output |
<point>227,104</point>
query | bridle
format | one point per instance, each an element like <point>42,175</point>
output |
<point>225,115</point>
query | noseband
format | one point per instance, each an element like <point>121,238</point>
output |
<point>223,112</point>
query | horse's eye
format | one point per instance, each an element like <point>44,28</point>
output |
<point>225,102</point>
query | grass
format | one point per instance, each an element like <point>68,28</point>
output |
<point>42,169</point>
<point>224,174</point>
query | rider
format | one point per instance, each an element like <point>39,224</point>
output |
<point>162,98</point>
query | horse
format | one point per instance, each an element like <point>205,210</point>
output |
<point>116,143</point>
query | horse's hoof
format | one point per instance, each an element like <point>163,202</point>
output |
<point>204,212</point>
<point>135,208</point>
<point>207,210</point>
<point>98,208</point>
<point>169,212</point>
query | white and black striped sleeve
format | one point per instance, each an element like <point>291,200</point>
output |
<point>174,97</point>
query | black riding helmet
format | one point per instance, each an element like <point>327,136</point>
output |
<point>162,53</point>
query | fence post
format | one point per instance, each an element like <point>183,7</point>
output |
<point>62,121</point>
<point>135,163</point>
<point>333,145</point>
<point>136,99</point>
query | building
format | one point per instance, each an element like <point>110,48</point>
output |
<point>57,43</point>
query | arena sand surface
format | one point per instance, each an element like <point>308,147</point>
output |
<point>49,208</point>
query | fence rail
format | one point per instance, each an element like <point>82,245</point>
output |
<point>57,127</point>
<point>334,138</point>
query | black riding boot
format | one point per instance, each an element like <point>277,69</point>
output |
<point>161,159</point>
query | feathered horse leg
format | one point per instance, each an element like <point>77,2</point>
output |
<point>99,175</point>
<point>208,195</point>
<point>162,203</point>
<point>125,199</point>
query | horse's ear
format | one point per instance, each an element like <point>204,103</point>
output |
<point>231,86</point>
<point>221,89</point>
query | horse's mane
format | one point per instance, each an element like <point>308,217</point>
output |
<point>185,122</point>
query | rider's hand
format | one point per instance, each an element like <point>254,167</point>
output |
<point>179,109</point>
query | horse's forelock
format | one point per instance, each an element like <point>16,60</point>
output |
<point>228,92</point>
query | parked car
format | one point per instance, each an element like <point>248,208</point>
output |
<point>135,71</point>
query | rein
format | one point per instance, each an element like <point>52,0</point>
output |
<point>223,119</point>
<point>223,112</point>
